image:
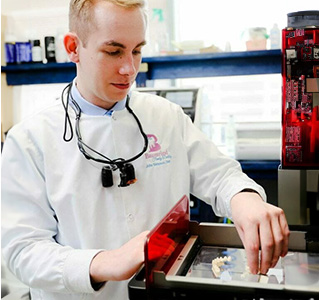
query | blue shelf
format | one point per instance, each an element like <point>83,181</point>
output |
<point>161,67</point>
<point>214,64</point>
<point>39,73</point>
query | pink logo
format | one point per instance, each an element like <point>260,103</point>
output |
<point>152,143</point>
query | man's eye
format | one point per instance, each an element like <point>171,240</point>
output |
<point>137,52</point>
<point>113,53</point>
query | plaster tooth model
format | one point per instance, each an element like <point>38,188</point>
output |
<point>217,263</point>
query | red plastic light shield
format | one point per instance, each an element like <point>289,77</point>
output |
<point>166,238</point>
<point>300,98</point>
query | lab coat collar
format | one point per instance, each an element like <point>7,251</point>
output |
<point>90,109</point>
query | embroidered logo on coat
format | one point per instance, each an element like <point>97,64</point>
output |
<point>152,143</point>
<point>156,156</point>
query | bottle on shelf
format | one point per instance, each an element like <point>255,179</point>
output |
<point>275,37</point>
<point>36,51</point>
<point>10,50</point>
<point>158,34</point>
<point>49,42</point>
<point>23,52</point>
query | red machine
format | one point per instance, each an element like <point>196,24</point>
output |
<point>180,256</point>
<point>300,91</point>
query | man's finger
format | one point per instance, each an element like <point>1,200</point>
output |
<point>278,241</point>
<point>267,246</point>
<point>286,233</point>
<point>251,243</point>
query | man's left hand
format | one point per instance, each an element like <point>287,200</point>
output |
<point>260,226</point>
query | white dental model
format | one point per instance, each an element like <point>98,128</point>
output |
<point>217,263</point>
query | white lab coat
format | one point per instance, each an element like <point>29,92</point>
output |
<point>56,215</point>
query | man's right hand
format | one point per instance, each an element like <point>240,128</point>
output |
<point>119,264</point>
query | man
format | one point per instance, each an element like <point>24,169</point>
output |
<point>67,233</point>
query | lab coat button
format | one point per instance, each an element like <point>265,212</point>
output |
<point>130,217</point>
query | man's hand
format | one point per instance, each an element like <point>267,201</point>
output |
<point>160,245</point>
<point>260,225</point>
<point>119,264</point>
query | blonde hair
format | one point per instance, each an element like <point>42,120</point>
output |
<point>81,19</point>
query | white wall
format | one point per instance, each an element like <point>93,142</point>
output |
<point>16,5</point>
<point>219,22</point>
<point>30,24</point>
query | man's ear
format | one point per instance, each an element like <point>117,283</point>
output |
<point>71,44</point>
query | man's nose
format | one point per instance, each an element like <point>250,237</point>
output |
<point>127,66</point>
